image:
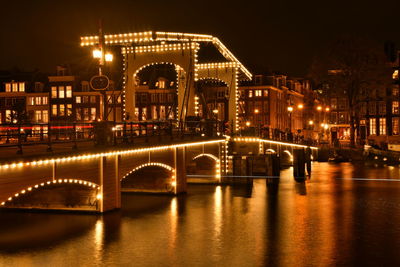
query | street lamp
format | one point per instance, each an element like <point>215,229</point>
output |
<point>257,119</point>
<point>300,106</point>
<point>319,108</point>
<point>290,109</point>
<point>109,57</point>
<point>247,123</point>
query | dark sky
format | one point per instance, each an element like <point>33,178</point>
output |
<point>279,35</point>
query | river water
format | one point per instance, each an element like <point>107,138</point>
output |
<point>344,215</point>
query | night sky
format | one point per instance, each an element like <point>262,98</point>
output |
<point>275,35</point>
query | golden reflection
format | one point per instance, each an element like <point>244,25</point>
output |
<point>218,212</point>
<point>99,239</point>
<point>173,223</point>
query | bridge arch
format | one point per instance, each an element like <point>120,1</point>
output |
<point>177,67</point>
<point>162,184</point>
<point>51,183</point>
<point>158,164</point>
<point>270,150</point>
<point>217,163</point>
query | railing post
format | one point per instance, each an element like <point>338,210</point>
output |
<point>131,123</point>
<point>75,146</point>
<point>41,133</point>
<point>8,136</point>
<point>146,129</point>
<point>125,137</point>
<point>49,148</point>
<point>19,140</point>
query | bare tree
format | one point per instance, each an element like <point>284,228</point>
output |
<point>350,67</point>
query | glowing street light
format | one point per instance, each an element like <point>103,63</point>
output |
<point>247,123</point>
<point>300,106</point>
<point>256,111</point>
<point>109,57</point>
<point>327,109</point>
<point>215,111</point>
<point>97,53</point>
<point>310,122</point>
<point>319,108</point>
<point>290,108</point>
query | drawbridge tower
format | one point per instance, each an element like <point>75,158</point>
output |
<point>143,49</point>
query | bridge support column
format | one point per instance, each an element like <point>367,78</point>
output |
<point>180,170</point>
<point>110,196</point>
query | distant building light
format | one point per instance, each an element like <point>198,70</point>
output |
<point>300,106</point>
<point>395,75</point>
<point>97,53</point>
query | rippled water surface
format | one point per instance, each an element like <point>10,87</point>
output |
<point>330,220</point>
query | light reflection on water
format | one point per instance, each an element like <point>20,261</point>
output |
<point>328,220</point>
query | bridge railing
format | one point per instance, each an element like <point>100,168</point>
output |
<point>101,133</point>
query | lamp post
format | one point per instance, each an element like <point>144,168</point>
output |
<point>256,111</point>
<point>103,57</point>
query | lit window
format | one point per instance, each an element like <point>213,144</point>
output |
<point>144,114</point>
<point>8,87</point>
<point>69,109</point>
<point>54,110</point>
<point>395,75</point>
<point>382,125</point>
<point>53,92</point>
<point>8,115</point>
<point>38,100</point>
<point>86,114</point>
<point>250,93</point>
<point>265,92</point>
<point>395,107</point>
<point>38,115</point>
<point>372,126</point>
<point>69,91</point>
<point>78,99</point>
<point>44,100</point>
<point>15,87</point>
<point>258,93</point>
<point>22,87</point>
<point>395,126</point>
<point>93,114</point>
<point>154,112</point>
<point>61,92</point>
<point>162,84</point>
<point>31,101</point>
<point>45,116</point>
<point>92,99</point>
<point>62,110</point>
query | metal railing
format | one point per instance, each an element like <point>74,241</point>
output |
<point>102,133</point>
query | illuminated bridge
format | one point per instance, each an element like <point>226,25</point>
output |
<point>93,181</point>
